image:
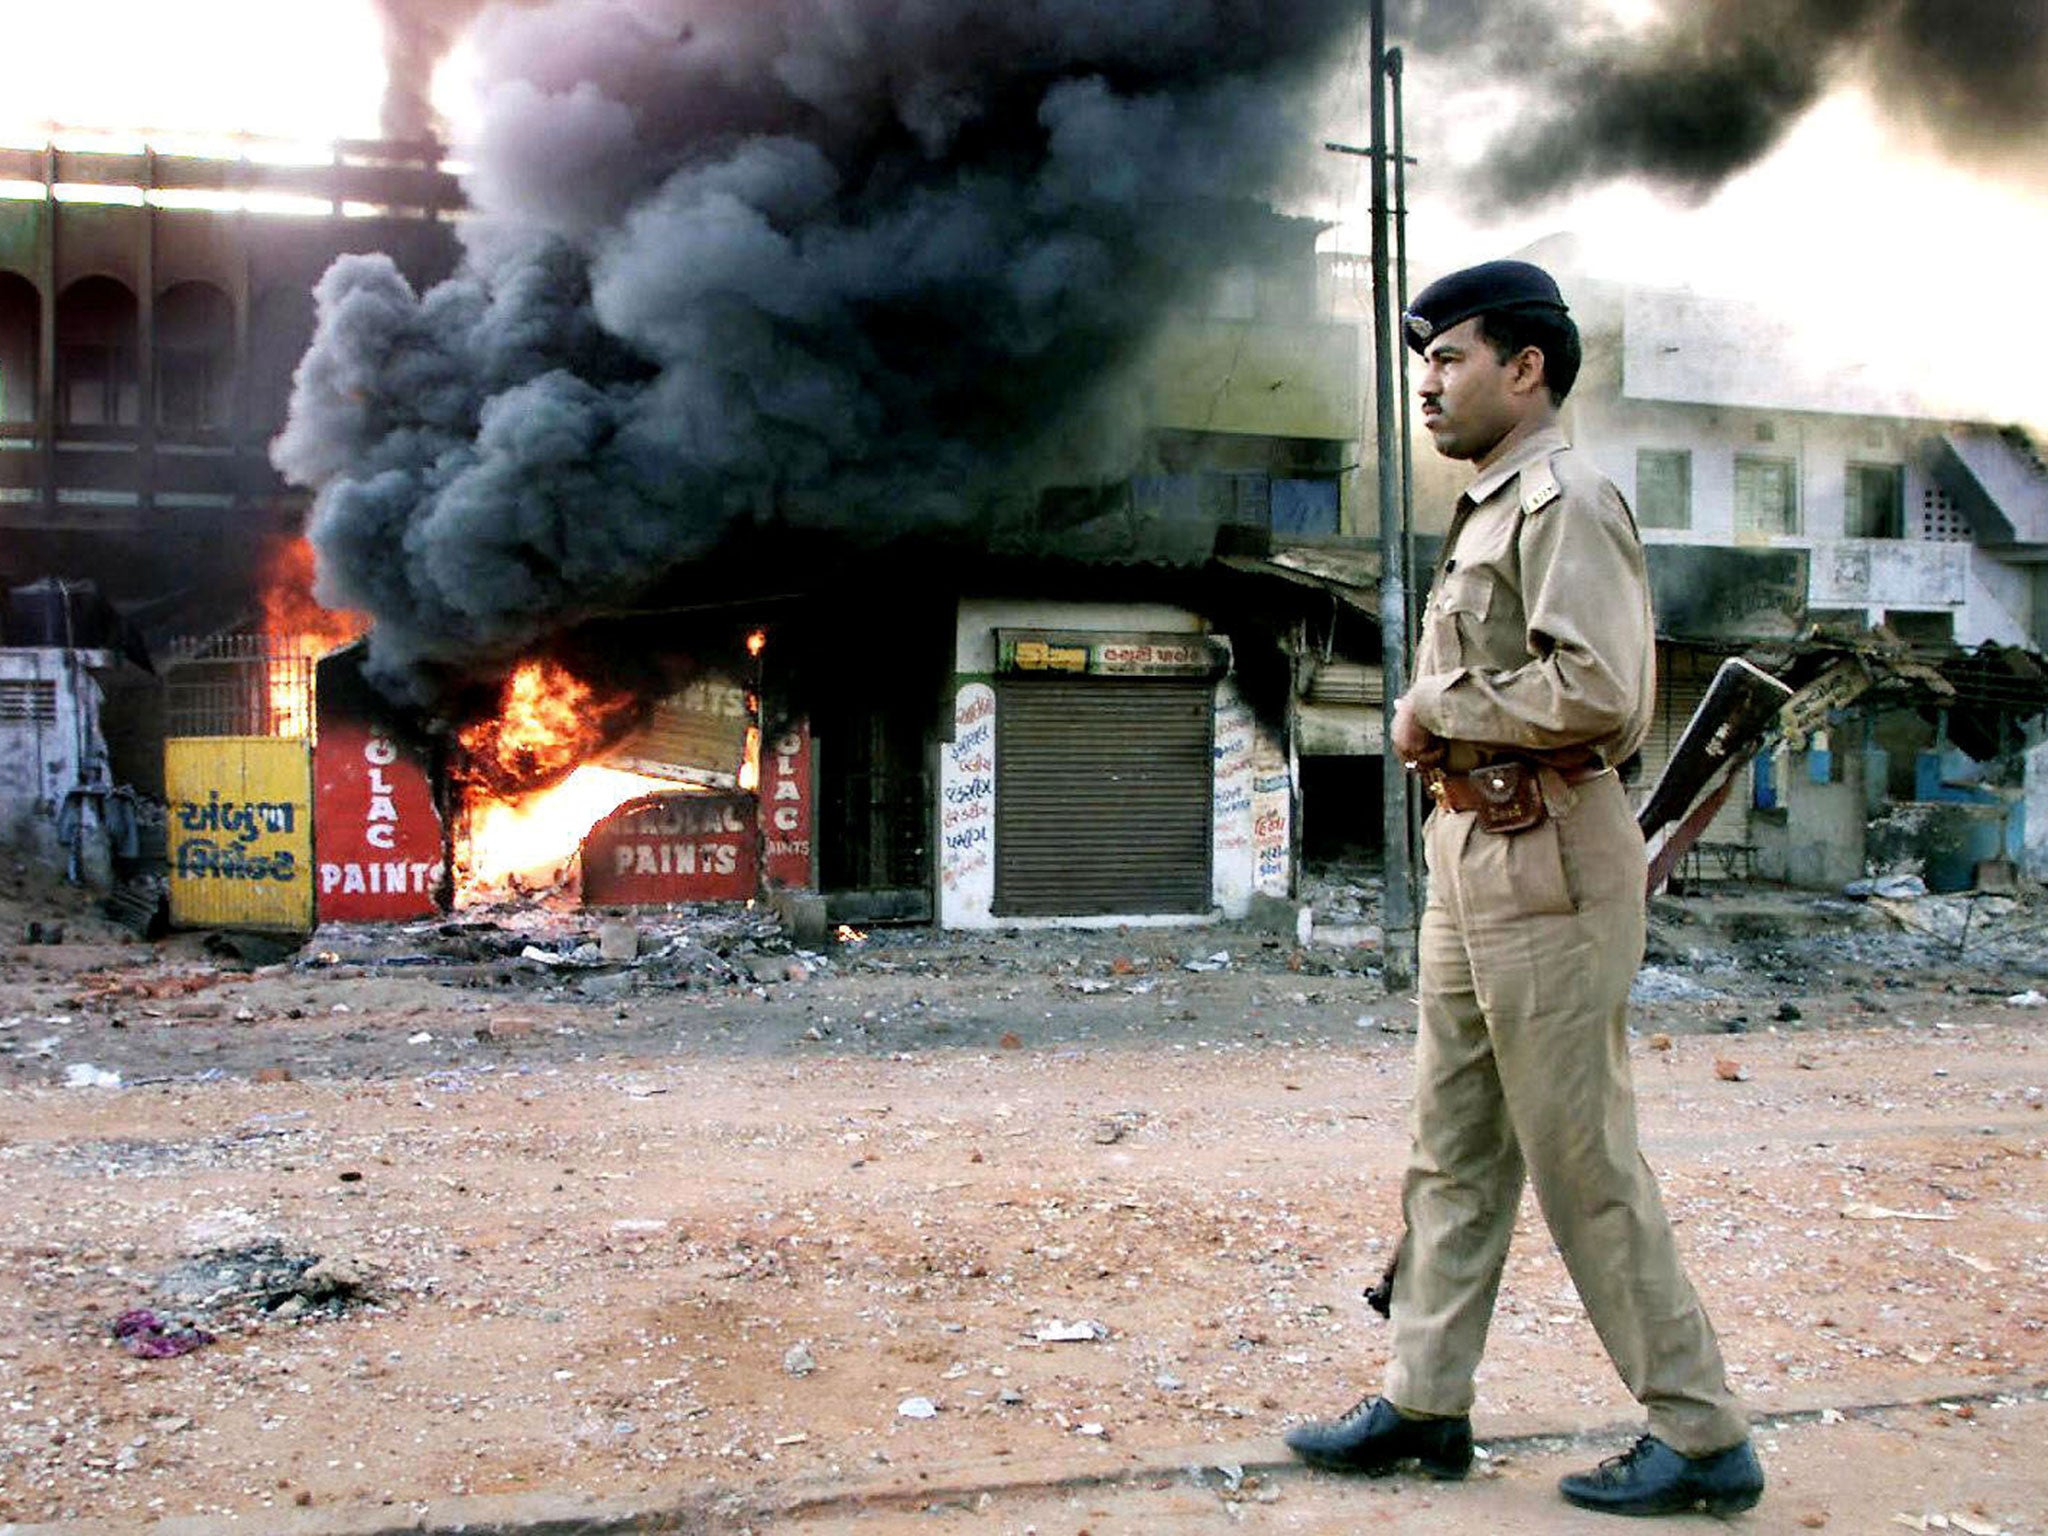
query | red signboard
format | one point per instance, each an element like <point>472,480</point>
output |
<point>787,860</point>
<point>376,833</point>
<point>672,848</point>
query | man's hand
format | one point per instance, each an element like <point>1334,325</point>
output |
<point>1416,747</point>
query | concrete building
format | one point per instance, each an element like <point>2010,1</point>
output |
<point>153,305</point>
<point>1730,432</point>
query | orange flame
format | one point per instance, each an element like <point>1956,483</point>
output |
<point>549,724</point>
<point>533,840</point>
<point>757,642</point>
<point>548,721</point>
<point>301,631</point>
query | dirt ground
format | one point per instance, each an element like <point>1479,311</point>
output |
<point>770,1231</point>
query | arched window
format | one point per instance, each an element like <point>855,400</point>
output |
<point>195,358</point>
<point>98,382</point>
<point>21,320</point>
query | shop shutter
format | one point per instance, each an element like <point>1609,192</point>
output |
<point>1103,796</point>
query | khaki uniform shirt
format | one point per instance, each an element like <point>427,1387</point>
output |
<point>1538,634</point>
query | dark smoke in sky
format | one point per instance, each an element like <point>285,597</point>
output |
<point>1709,88</point>
<point>866,264</point>
<point>417,36</point>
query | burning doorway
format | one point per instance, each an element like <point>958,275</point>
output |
<point>542,783</point>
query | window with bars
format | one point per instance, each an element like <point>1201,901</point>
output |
<point>28,701</point>
<point>1766,495</point>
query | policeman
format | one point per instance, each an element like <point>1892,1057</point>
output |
<point>1533,680</point>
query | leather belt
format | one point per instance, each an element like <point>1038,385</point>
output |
<point>1469,791</point>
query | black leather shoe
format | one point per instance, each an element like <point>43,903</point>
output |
<point>1374,1439</point>
<point>1650,1478</point>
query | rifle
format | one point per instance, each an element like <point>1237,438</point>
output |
<point>1731,723</point>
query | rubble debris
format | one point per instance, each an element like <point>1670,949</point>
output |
<point>917,1408</point>
<point>148,1337</point>
<point>265,1278</point>
<point>1890,887</point>
<point>253,949</point>
<point>142,906</point>
<point>83,1074</point>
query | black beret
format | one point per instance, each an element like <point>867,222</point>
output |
<point>1492,285</point>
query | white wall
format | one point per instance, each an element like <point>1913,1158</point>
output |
<point>41,762</point>
<point>1999,605</point>
<point>1988,599</point>
<point>2034,850</point>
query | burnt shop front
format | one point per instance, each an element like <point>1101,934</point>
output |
<point>1101,766</point>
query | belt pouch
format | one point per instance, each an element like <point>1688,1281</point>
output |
<point>1510,797</point>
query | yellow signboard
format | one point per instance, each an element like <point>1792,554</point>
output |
<point>240,832</point>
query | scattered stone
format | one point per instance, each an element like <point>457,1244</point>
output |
<point>917,1408</point>
<point>799,1361</point>
<point>618,940</point>
<point>1055,1332</point>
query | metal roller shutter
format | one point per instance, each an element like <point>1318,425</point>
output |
<point>1103,796</point>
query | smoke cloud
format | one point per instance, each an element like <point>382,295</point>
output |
<point>417,36</point>
<point>860,264</point>
<point>1705,90</point>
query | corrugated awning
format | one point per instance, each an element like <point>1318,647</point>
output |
<point>1352,576</point>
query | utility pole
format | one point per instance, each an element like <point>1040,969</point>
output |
<point>1398,904</point>
<point>1397,908</point>
<point>1411,631</point>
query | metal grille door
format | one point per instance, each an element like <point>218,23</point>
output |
<point>1103,796</point>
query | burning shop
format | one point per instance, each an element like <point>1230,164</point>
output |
<point>569,787</point>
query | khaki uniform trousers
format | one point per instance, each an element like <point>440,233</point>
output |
<point>1528,944</point>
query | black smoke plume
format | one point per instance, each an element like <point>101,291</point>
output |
<point>865,264</point>
<point>1709,88</point>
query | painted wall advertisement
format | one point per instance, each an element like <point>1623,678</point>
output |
<point>788,861</point>
<point>1272,823</point>
<point>668,848</point>
<point>1232,856</point>
<point>380,834</point>
<point>967,810</point>
<point>240,832</point>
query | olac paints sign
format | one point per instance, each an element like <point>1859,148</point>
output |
<point>380,836</point>
<point>668,848</point>
<point>786,810</point>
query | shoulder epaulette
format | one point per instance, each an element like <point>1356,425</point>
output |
<point>1539,487</point>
